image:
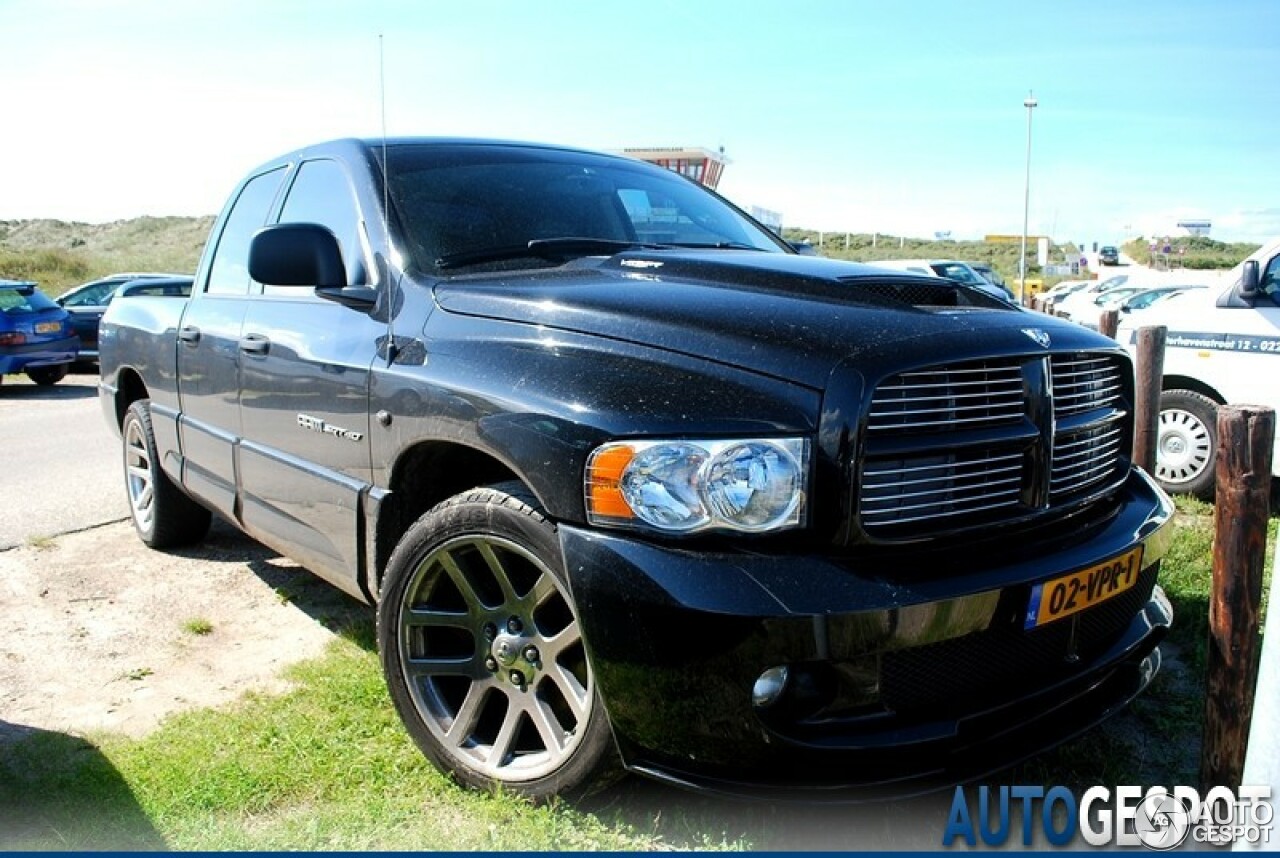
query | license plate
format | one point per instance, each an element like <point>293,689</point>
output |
<point>48,327</point>
<point>1070,594</point>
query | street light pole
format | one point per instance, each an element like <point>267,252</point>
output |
<point>1029,104</point>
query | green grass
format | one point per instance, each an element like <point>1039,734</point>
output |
<point>329,766</point>
<point>197,626</point>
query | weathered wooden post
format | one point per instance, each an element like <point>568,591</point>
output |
<point>1108,322</point>
<point>1149,373</point>
<point>1245,436</point>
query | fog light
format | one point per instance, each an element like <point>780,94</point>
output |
<point>769,686</point>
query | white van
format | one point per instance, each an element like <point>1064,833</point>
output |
<point>1223,346</point>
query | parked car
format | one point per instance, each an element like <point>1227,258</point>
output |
<point>1221,348</point>
<point>1082,300</point>
<point>36,336</point>
<point>1061,290</point>
<point>1150,297</point>
<point>952,269</point>
<point>1108,255</point>
<point>87,302</point>
<point>990,275</point>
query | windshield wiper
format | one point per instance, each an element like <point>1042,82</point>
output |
<point>542,248</point>
<point>720,245</point>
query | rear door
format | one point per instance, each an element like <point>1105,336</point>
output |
<point>304,395</point>
<point>209,349</point>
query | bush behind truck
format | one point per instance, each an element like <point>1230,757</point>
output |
<point>631,482</point>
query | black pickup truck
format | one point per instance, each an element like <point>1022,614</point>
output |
<point>629,480</point>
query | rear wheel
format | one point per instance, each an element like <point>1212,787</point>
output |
<point>163,516</point>
<point>1187,443</point>
<point>47,375</point>
<point>482,651</point>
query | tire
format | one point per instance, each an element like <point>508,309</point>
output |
<point>163,516</point>
<point>48,375</point>
<point>1187,443</point>
<point>482,651</point>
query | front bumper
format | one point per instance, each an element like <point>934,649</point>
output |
<point>906,675</point>
<point>50,353</point>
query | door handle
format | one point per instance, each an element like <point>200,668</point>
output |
<point>189,335</point>
<point>254,344</point>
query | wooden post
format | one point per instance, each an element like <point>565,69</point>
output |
<point>1108,322</point>
<point>1245,436</point>
<point>1149,372</point>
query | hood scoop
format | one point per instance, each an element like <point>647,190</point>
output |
<point>920,295</point>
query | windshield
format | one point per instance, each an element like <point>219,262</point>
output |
<point>474,204</point>
<point>958,271</point>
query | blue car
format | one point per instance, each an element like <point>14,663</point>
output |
<point>36,336</point>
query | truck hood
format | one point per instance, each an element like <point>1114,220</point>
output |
<point>790,317</point>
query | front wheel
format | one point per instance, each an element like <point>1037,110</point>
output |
<point>482,650</point>
<point>48,375</point>
<point>163,516</point>
<point>1187,443</point>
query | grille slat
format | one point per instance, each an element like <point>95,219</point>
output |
<point>935,399</point>
<point>935,485</point>
<point>1084,383</point>
<point>992,487</point>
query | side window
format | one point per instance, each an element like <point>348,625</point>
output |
<point>93,296</point>
<point>1270,281</point>
<point>229,270</point>
<point>321,194</point>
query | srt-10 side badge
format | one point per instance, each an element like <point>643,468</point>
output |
<point>1038,335</point>
<point>315,424</point>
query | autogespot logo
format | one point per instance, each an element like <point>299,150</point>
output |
<point>1158,818</point>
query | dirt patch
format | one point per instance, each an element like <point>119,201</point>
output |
<point>102,633</point>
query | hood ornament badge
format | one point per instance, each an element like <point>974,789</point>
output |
<point>1038,335</point>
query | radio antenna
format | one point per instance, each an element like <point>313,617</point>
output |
<point>382,97</point>
<point>386,206</point>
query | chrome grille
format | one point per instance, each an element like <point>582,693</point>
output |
<point>1084,459</point>
<point>965,445</point>
<point>923,488</point>
<point>941,398</point>
<point>1083,383</point>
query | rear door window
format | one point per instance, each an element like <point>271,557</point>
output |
<point>229,270</point>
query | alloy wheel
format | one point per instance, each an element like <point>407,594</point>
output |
<point>138,476</point>
<point>493,658</point>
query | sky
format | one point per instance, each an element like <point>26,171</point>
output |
<point>904,118</point>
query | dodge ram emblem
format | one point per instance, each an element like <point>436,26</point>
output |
<point>1038,335</point>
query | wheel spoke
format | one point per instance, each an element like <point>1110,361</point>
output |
<point>144,497</point>
<point>467,665</point>
<point>140,472</point>
<point>501,750</point>
<point>465,720</point>
<point>552,647</point>
<point>499,572</point>
<point>436,619</point>
<point>459,578</point>
<point>570,689</point>
<point>548,727</point>
<point>543,589</point>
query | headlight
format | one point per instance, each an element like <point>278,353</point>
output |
<point>753,485</point>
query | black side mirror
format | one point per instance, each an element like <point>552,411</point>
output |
<point>1249,279</point>
<point>297,254</point>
